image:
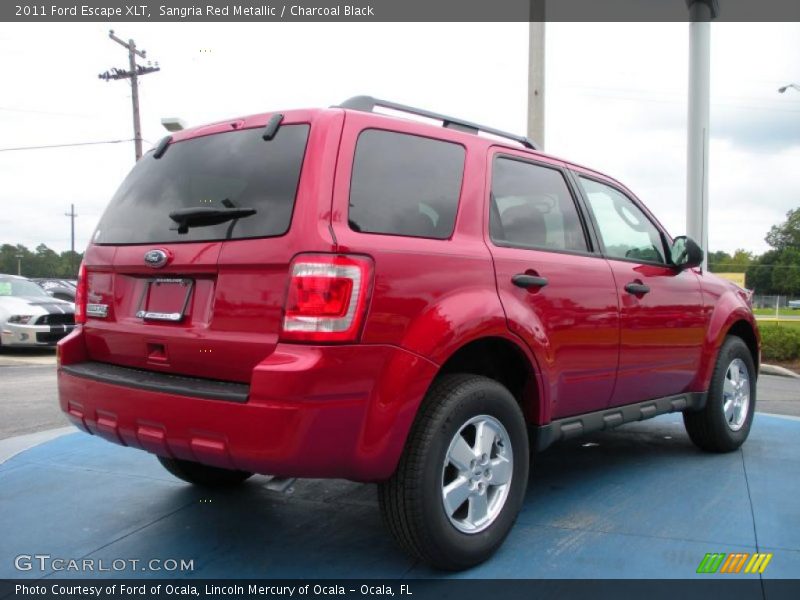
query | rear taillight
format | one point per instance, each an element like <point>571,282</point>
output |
<point>327,298</point>
<point>80,296</point>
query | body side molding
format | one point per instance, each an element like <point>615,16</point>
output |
<point>575,426</point>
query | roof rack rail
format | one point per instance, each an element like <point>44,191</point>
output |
<point>368,104</point>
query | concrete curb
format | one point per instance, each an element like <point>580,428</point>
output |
<point>788,417</point>
<point>780,371</point>
<point>10,447</point>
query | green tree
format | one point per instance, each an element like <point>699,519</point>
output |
<point>777,271</point>
<point>786,272</point>
<point>759,275</point>
<point>42,262</point>
<point>786,234</point>
<point>718,260</point>
<point>722,262</point>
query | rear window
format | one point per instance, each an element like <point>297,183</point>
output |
<point>405,185</point>
<point>237,169</point>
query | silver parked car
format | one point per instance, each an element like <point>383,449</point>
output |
<point>29,316</point>
<point>57,288</point>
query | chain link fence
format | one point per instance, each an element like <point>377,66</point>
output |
<point>778,303</point>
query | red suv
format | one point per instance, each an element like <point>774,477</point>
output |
<point>344,293</point>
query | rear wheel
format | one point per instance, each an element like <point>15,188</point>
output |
<point>724,424</point>
<point>462,478</point>
<point>203,475</point>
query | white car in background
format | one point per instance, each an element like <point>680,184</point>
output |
<point>29,316</point>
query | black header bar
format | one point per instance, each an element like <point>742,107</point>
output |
<point>374,11</point>
<point>711,586</point>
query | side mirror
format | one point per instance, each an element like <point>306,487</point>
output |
<point>686,254</point>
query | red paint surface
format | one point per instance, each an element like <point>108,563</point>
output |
<point>345,409</point>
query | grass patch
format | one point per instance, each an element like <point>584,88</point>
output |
<point>770,312</point>
<point>793,324</point>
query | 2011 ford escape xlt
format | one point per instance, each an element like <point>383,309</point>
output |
<point>344,293</point>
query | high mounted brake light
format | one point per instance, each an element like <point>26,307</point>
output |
<point>327,298</point>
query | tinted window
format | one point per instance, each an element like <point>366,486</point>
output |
<point>238,166</point>
<point>625,229</point>
<point>405,185</point>
<point>532,207</point>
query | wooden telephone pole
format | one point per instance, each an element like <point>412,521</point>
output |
<point>133,73</point>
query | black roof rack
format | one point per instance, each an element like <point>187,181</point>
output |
<point>368,104</point>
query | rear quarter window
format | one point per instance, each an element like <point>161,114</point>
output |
<point>405,185</point>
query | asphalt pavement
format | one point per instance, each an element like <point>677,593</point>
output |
<point>28,399</point>
<point>778,395</point>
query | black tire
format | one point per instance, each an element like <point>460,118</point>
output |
<point>203,475</point>
<point>708,428</point>
<point>411,501</point>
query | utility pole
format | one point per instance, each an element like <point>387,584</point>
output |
<point>536,82</point>
<point>536,41</point>
<point>133,73</point>
<point>72,214</point>
<point>701,12</point>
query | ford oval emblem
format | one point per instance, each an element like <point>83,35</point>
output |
<point>155,258</point>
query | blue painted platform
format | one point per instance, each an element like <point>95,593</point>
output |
<point>636,502</point>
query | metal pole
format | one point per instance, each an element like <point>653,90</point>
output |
<point>536,61</point>
<point>137,127</point>
<point>71,214</point>
<point>72,228</point>
<point>698,123</point>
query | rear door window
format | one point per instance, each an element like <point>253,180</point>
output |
<point>234,169</point>
<point>532,207</point>
<point>405,185</point>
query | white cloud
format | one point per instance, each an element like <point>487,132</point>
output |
<point>616,98</point>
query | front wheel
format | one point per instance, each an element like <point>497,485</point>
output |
<point>724,424</point>
<point>462,478</point>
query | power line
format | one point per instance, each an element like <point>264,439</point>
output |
<point>66,145</point>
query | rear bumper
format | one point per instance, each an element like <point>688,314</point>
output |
<point>312,411</point>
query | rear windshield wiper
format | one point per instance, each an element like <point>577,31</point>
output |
<point>203,216</point>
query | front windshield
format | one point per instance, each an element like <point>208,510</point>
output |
<point>20,287</point>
